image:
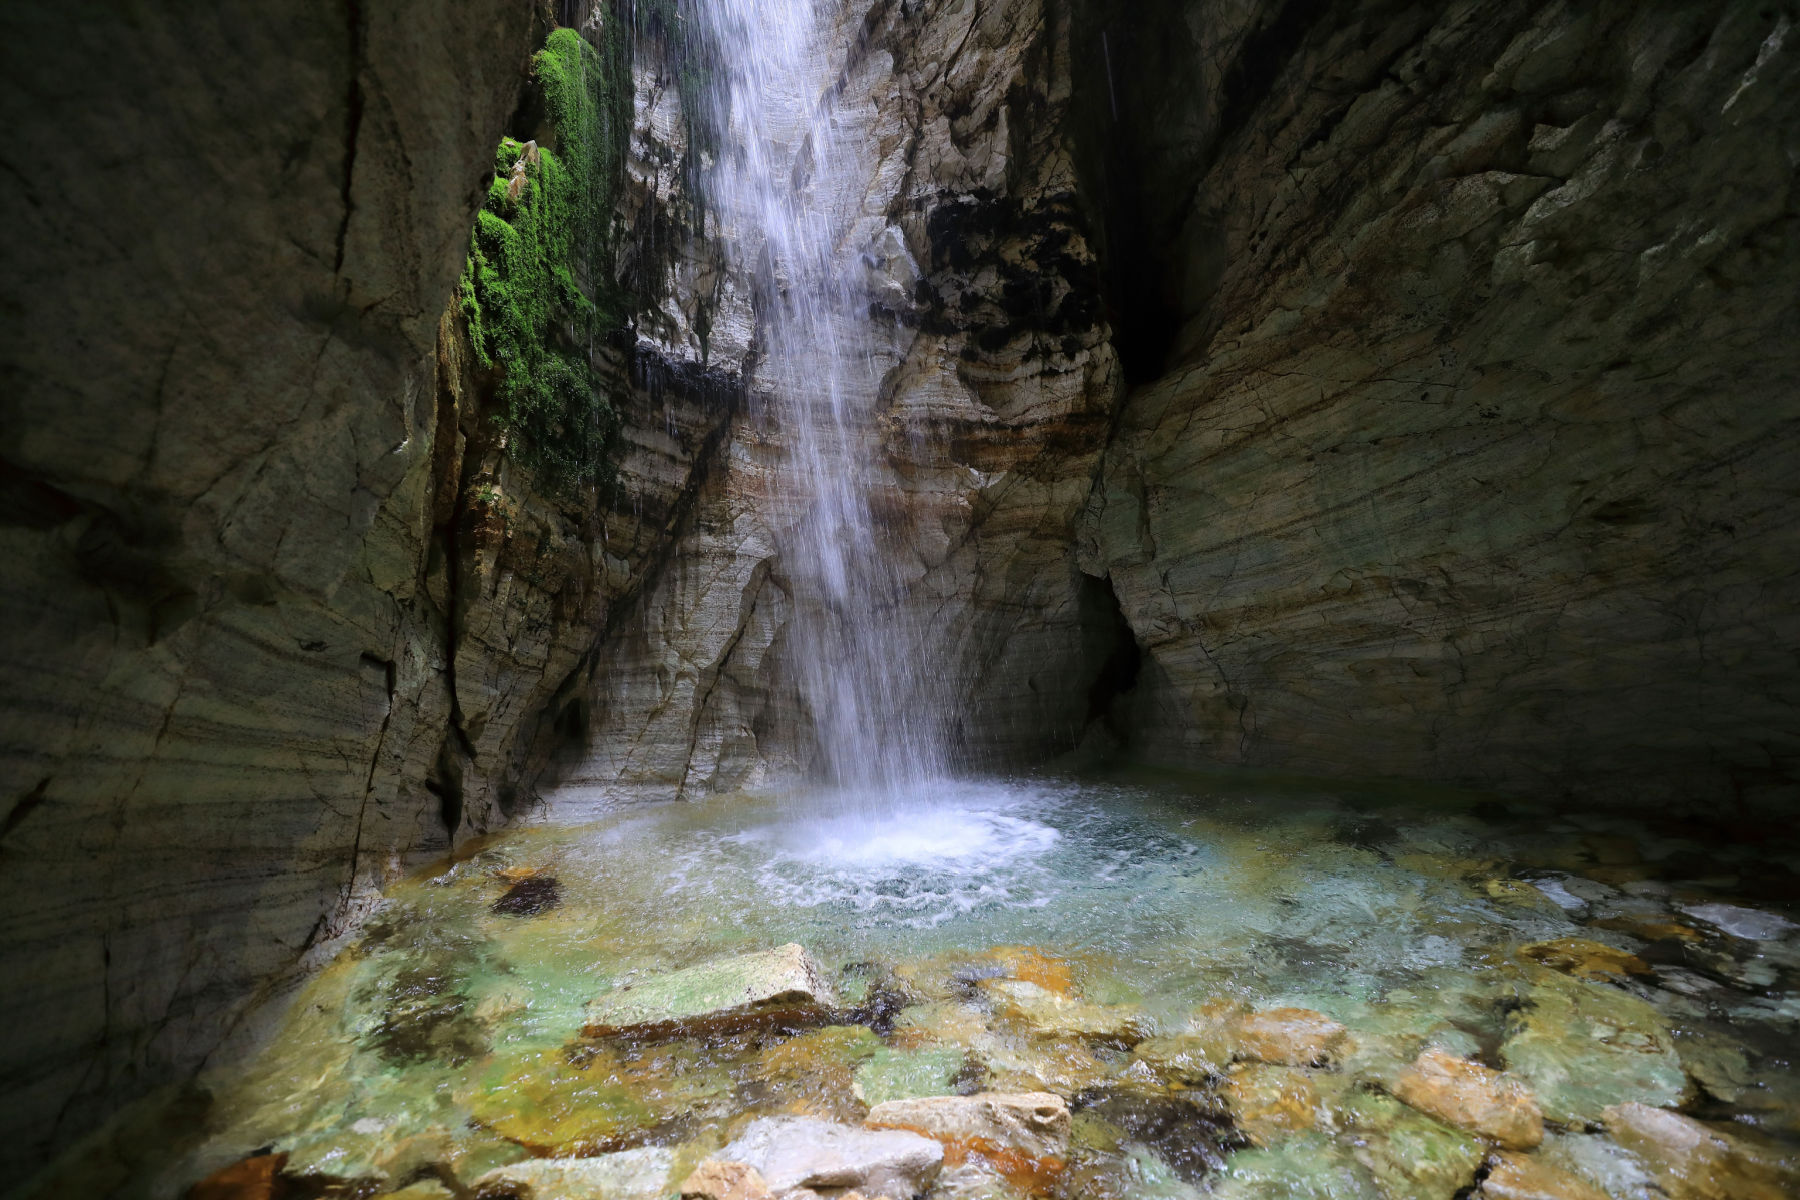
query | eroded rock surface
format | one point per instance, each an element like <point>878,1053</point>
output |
<point>1466,451</point>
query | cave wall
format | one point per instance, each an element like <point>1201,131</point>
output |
<point>1467,448</point>
<point>232,233</point>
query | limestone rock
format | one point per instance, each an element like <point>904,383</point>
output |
<point>625,1175</point>
<point>899,1074</point>
<point>717,1179</point>
<point>1268,1102</point>
<point>1391,460</point>
<point>1582,1047</point>
<point>799,1152</point>
<point>1585,958</point>
<point>1055,1015</point>
<point>1030,1126</point>
<point>1409,1154</point>
<point>767,987</point>
<point>1751,924</point>
<point>1295,1037</point>
<point>1473,1097</point>
<point>1692,1161</point>
<point>1513,1176</point>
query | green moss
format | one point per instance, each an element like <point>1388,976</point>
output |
<point>536,289</point>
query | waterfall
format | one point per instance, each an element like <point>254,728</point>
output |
<point>787,188</point>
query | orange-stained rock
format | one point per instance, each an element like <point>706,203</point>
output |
<point>1268,1102</point>
<point>1294,1037</point>
<point>1023,1136</point>
<point>1513,1176</point>
<point>1651,927</point>
<point>256,1178</point>
<point>1585,958</point>
<point>715,1179</point>
<point>1032,965</point>
<point>1473,1097</point>
<point>1692,1161</point>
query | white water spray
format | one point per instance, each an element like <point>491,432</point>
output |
<point>788,188</point>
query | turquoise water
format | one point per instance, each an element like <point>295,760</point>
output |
<point>1090,938</point>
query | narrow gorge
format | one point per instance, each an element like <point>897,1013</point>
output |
<point>971,599</point>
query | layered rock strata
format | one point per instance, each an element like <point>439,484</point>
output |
<point>999,378</point>
<point>1471,453</point>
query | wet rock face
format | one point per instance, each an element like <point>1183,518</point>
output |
<point>1465,450</point>
<point>986,315</point>
<point>232,230</point>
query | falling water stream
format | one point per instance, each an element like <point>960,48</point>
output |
<point>788,190</point>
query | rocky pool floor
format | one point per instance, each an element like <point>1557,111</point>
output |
<point>1201,988</point>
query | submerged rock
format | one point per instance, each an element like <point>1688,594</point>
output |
<point>1582,1047</point>
<point>1585,958</point>
<point>1513,1176</point>
<point>641,1174</point>
<point>1295,1037</point>
<point>529,896</point>
<point>1409,1154</point>
<point>898,1074</point>
<point>1692,1161</point>
<point>715,1179</point>
<point>1751,924</point>
<point>1309,1166</point>
<point>768,987</point>
<point>800,1152</point>
<point>1269,1102</point>
<point>1053,1014</point>
<point>1021,1131</point>
<point>1473,1097</point>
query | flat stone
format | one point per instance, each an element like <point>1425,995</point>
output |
<point>897,1074</point>
<point>1581,1047</point>
<point>1473,1097</point>
<point>641,1174</point>
<point>1692,1161</point>
<point>1295,1037</point>
<point>1052,1014</point>
<point>743,992</point>
<point>1751,924</point>
<point>1585,958</point>
<point>717,1179</point>
<point>1513,1176</point>
<point>1020,1132</point>
<point>800,1152</point>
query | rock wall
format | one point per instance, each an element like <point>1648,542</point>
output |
<point>999,380</point>
<point>266,635</point>
<point>1470,445</point>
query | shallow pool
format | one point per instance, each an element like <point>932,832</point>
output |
<point>1114,941</point>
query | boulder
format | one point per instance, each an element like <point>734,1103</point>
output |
<point>1692,1161</point>
<point>800,1152</point>
<point>641,1174</point>
<point>1473,1097</point>
<point>743,992</point>
<point>1294,1037</point>
<point>1513,1176</point>
<point>1023,1132</point>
